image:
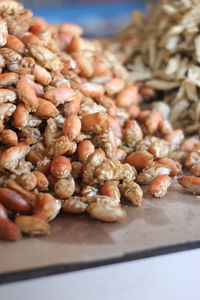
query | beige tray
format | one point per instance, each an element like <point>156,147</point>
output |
<point>160,225</point>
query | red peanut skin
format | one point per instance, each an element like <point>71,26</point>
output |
<point>8,230</point>
<point>13,201</point>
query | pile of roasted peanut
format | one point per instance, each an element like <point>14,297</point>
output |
<point>72,135</point>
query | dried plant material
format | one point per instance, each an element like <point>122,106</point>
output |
<point>162,50</point>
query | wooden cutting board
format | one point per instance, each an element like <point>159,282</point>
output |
<point>160,225</point>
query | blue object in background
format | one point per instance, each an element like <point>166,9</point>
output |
<point>98,18</point>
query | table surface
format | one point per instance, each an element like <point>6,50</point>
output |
<point>168,277</point>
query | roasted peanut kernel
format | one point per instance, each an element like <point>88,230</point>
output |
<point>41,75</point>
<point>92,90</point>
<point>65,188</point>
<point>10,158</point>
<point>60,167</point>
<point>174,139</point>
<point>139,159</point>
<point>159,149</point>
<point>132,191</point>
<point>85,148</point>
<point>45,57</point>
<point>27,181</point>
<point>115,126</point>
<point>8,137</point>
<point>61,146</point>
<point>107,142</point>
<point>110,189</point>
<point>114,86</point>
<point>42,181</point>
<point>14,201</point>
<point>32,225</point>
<point>46,109</point>
<point>72,107</point>
<point>165,127</point>
<point>72,127</point>
<point>192,158</point>
<point>15,44</point>
<point>8,230</point>
<point>96,122</point>
<point>6,111</point>
<point>21,116</point>
<point>128,96</point>
<point>8,79</point>
<point>174,166</point>
<point>47,207</point>
<point>13,185</point>
<point>134,111</point>
<point>159,186</point>
<point>27,94</point>
<point>196,170</point>
<point>74,205</point>
<point>106,212</point>
<point>114,170</point>
<point>93,161</point>
<point>59,95</point>
<point>132,133</point>
<point>152,122</point>
<point>191,184</point>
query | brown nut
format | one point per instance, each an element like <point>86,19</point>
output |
<point>95,122</point>
<point>47,207</point>
<point>60,167</point>
<point>139,159</point>
<point>32,225</point>
<point>8,230</point>
<point>159,186</point>
<point>72,127</point>
<point>42,181</point>
<point>14,201</point>
<point>85,148</point>
<point>27,181</point>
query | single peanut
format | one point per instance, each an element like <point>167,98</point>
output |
<point>46,109</point>
<point>27,181</point>
<point>32,225</point>
<point>128,96</point>
<point>159,186</point>
<point>92,90</point>
<point>95,122</point>
<point>8,230</point>
<point>42,181</point>
<point>14,201</point>
<point>8,137</point>
<point>47,207</point>
<point>60,167</point>
<point>85,148</point>
<point>139,159</point>
<point>72,127</point>
<point>190,183</point>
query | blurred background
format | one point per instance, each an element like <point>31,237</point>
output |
<point>98,17</point>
